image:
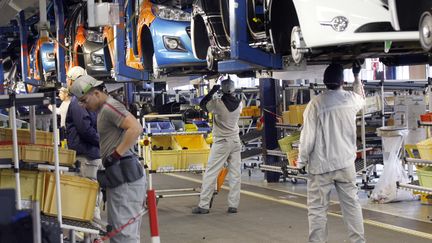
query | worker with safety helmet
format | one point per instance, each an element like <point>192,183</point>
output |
<point>226,144</point>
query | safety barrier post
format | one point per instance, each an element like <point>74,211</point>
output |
<point>153,217</point>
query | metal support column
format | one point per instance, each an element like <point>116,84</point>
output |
<point>2,90</point>
<point>59,18</point>
<point>268,99</point>
<point>56,162</point>
<point>24,50</point>
<point>129,89</point>
<point>12,122</point>
<point>122,72</point>
<point>32,124</point>
<point>382,103</point>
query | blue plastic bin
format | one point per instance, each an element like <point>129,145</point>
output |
<point>166,127</point>
<point>203,126</point>
<point>154,127</point>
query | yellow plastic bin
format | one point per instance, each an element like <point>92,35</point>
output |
<point>286,142</point>
<point>6,152</point>
<point>32,183</point>
<point>191,128</point>
<point>35,153</point>
<point>66,156</point>
<point>296,114</point>
<point>195,151</point>
<point>286,117</point>
<point>425,149</point>
<point>425,176</point>
<point>42,137</point>
<point>78,197</point>
<point>165,153</point>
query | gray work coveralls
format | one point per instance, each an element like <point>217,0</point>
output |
<point>328,147</point>
<point>226,144</point>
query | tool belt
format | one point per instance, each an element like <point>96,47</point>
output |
<point>127,169</point>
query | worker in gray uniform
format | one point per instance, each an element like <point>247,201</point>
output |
<point>123,177</point>
<point>226,145</point>
<point>328,151</point>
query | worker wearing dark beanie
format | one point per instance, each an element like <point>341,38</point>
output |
<point>333,76</point>
<point>327,152</point>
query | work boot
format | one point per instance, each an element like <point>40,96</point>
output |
<point>232,210</point>
<point>198,210</point>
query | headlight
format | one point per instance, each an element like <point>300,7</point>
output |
<point>173,43</point>
<point>97,59</point>
<point>94,36</point>
<point>167,13</point>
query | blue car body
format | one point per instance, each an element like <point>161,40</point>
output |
<point>47,61</point>
<point>170,58</point>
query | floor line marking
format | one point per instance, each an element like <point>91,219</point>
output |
<point>303,206</point>
<point>334,202</point>
<point>282,190</point>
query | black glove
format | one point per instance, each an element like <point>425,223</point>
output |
<point>215,88</point>
<point>111,159</point>
<point>302,170</point>
<point>356,68</point>
<point>208,97</point>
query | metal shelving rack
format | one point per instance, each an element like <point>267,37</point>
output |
<point>177,94</point>
<point>416,188</point>
<point>313,87</point>
<point>286,170</point>
<point>193,191</point>
<point>248,95</point>
<point>371,86</point>
<point>11,101</point>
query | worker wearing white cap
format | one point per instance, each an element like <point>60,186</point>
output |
<point>226,144</point>
<point>64,106</point>
<point>82,135</point>
<point>123,177</point>
<point>73,73</point>
<point>328,151</point>
<point>81,132</point>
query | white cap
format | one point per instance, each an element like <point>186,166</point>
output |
<point>76,72</point>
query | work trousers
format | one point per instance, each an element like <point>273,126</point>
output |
<point>221,150</point>
<point>89,167</point>
<point>318,191</point>
<point>123,203</point>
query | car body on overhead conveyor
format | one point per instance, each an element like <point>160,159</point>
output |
<point>86,43</point>
<point>42,62</point>
<point>158,38</point>
<point>407,16</point>
<point>319,32</point>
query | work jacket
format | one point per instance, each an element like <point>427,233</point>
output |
<point>81,132</point>
<point>328,137</point>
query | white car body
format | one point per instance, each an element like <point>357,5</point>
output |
<point>315,16</point>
